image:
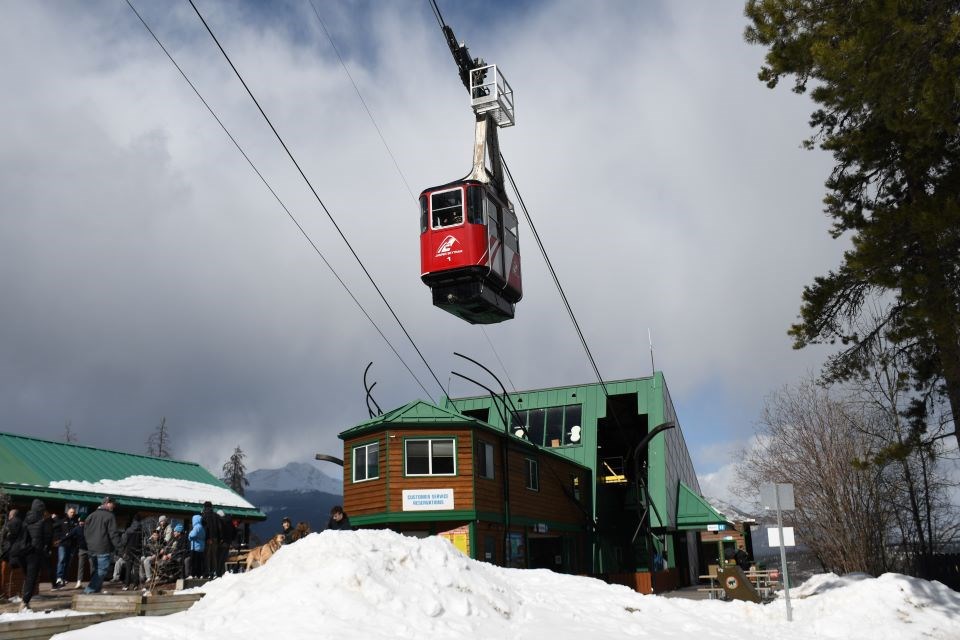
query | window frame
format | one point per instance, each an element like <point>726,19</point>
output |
<point>430,440</point>
<point>353,461</point>
<point>487,448</point>
<point>532,468</point>
<point>433,218</point>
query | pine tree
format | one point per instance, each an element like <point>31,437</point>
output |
<point>884,76</point>
<point>158,444</point>
<point>235,472</point>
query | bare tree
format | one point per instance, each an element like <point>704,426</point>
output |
<point>906,456</point>
<point>68,434</point>
<point>158,444</point>
<point>811,439</point>
<point>234,472</point>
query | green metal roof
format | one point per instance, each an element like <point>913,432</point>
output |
<point>420,413</point>
<point>417,412</point>
<point>693,512</point>
<point>29,465</point>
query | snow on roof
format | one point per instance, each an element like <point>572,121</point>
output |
<point>376,584</point>
<point>155,488</point>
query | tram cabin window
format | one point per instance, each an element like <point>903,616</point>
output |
<point>510,225</point>
<point>423,214</point>
<point>447,208</point>
<point>476,200</point>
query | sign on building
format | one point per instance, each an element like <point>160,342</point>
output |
<point>427,499</point>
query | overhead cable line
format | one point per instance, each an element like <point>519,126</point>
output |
<point>386,146</point>
<point>553,273</point>
<point>362,101</point>
<point>276,197</point>
<point>317,196</point>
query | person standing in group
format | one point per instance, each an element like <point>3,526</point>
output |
<point>211,550</point>
<point>198,541</point>
<point>339,521</point>
<point>288,530</point>
<point>67,545</point>
<point>9,533</point>
<point>227,534</point>
<point>132,552</point>
<point>103,538</point>
<point>83,557</point>
<point>40,539</point>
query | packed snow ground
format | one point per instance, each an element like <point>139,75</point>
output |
<point>379,584</point>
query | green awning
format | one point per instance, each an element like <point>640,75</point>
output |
<point>694,512</point>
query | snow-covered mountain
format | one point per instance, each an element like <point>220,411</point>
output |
<point>298,477</point>
<point>729,511</point>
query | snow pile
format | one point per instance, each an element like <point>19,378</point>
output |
<point>379,584</point>
<point>158,489</point>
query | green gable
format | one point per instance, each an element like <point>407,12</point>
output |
<point>417,412</point>
<point>693,512</point>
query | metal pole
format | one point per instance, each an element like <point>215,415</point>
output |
<point>783,555</point>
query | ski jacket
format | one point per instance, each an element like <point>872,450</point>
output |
<point>101,533</point>
<point>198,535</point>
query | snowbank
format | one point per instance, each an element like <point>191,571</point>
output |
<point>378,584</point>
<point>158,489</point>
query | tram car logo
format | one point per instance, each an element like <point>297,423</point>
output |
<point>446,248</point>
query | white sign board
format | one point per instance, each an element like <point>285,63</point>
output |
<point>427,499</point>
<point>773,537</point>
<point>716,527</point>
<point>768,496</point>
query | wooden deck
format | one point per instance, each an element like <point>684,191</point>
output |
<point>93,609</point>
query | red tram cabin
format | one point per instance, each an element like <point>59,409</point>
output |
<point>469,252</point>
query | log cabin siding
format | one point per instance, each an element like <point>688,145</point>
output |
<point>367,496</point>
<point>550,502</point>
<point>461,483</point>
<point>489,492</point>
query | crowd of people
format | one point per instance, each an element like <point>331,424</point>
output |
<point>148,551</point>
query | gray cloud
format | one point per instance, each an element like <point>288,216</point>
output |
<point>148,273</point>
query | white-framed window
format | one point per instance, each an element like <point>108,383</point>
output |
<point>366,462</point>
<point>447,208</point>
<point>533,474</point>
<point>484,460</point>
<point>430,457</point>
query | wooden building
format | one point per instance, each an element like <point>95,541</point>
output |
<point>425,470</point>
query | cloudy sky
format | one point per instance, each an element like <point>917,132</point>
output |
<point>148,273</point>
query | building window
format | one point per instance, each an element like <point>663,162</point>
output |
<point>433,457</point>
<point>533,474</point>
<point>366,462</point>
<point>550,426</point>
<point>484,460</point>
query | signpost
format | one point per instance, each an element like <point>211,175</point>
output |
<point>780,497</point>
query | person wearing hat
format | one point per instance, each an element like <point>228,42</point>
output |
<point>103,538</point>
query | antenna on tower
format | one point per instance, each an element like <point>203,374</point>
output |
<point>653,369</point>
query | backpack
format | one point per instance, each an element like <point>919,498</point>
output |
<point>21,547</point>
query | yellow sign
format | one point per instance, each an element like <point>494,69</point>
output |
<point>459,537</point>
